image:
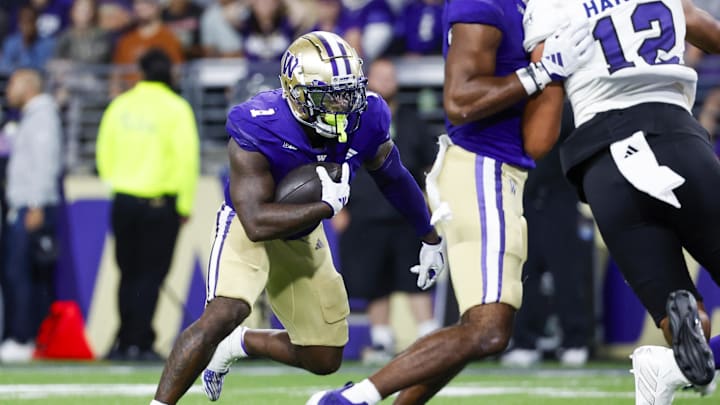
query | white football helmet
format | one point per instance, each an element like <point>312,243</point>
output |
<point>323,82</point>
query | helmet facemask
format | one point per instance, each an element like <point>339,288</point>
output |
<point>334,110</point>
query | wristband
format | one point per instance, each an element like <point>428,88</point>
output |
<point>534,77</point>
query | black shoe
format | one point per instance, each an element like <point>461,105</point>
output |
<point>135,353</point>
<point>150,356</point>
<point>692,352</point>
<point>117,354</point>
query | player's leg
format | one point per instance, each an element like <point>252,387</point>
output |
<point>532,316</point>
<point>309,298</point>
<point>647,250</point>
<point>195,346</point>
<point>237,274</point>
<point>699,218</point>
<point>430,363</point>
<point>486,249</point>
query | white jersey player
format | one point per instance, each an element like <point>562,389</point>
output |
<point>645,166</point>
<point>639,56</point>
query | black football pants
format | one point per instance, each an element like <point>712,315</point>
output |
<point>644,235</point>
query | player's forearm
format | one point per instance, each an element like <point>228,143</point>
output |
<point>703,30</point>
<point>482,97</point>
<point>276,221</point>
<point>400,189</point>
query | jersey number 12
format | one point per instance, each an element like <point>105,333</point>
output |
<point>642,19</point>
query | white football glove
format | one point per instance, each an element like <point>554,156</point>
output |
<point>335,194</point>
<point>433,261</point>
<point>566,50</point>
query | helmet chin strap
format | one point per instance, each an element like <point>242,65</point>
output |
<point>331,126</point>
<point>326,125</point>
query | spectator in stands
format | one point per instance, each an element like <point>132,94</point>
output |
<point>370,26</point>
<point>183,18</point>
<point>421,27</point>
<point>328,16</point>
<point>115,17</point>
<point>4,22</point>
<point>302,14</point>
<point>53,16</point>
<point>147,151</point>
<point>149,32</point>
<point>560,242</point>
<point>377,248</point>
<point>80,49</point>
<point>32,195</point>
<point>267,32</point>
<point>84,42</point>
<point>26,48</point>
<point>220,28</point>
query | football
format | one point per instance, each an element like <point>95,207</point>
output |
<point>302,184</point>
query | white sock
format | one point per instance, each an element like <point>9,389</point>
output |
<point>237,342</point>
<point>364,391</point>
<point>156,402</point>
<point>427,327</point>
<point>382,335</point>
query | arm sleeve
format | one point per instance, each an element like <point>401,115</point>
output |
<point>186,144</point>
<point>400,189</point>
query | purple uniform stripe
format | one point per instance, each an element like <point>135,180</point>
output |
<point>331,54</point>
<point>479,184</point>
<point>217,229</point>
<point>501,215</point>
<point>226,229</point>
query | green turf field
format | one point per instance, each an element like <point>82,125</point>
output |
<point>260,383</point>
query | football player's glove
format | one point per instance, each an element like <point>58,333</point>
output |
<point>433,261</point>
<point>334,194</point>
<point>565,51</point>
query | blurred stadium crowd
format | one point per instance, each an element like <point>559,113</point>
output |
<point>224,50</point>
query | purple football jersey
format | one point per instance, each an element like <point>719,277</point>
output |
<point>265,124</point>
<point>498,136</point>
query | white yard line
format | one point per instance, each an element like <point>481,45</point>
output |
<point>34,391</point>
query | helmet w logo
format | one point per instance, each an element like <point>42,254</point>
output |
<point>289,64</point>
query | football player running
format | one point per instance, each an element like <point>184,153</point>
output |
<point>646,167</point>
<point>476,189</point>
<point>321,113</point>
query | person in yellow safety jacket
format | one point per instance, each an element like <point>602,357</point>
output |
<point>148,152</point>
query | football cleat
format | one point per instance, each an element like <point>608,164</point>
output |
<point>333,397</point>
<point>213,383</point>
<point>657,376</point>
<point>705,390</point>
<point>691,349</point>
<point>214,375</point>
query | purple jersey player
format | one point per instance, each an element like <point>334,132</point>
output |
<point>475,189</point>
<point>322,113</point>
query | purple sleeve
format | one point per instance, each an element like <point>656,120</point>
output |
<point>402,191</point>
<point>487,12</point>
<point>234,128</point>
